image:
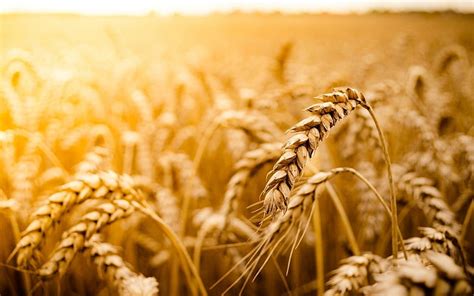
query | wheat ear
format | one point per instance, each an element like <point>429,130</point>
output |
<point>244,169</point>
<point>440,276</point>
<point>73,240</point>
<point>354,273</point>
<point>255,124</point>
<point>114,269</point>
<point>103,185</point>
<point>436,239</point>
<point>276,235</point>
<point>430,201</point>
<point>303,141</point>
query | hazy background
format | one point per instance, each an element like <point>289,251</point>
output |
<point>203,7</point>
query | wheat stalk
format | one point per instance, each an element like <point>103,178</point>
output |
<point>145,159</point>
<point>370,213</point>
<point>304,140</point>
<point>255,124</point>
<point>50,176</point>
<point>115,270</point>
<point>277,234</point>
<point>103,185</point>
<point>73,240</point>
<point>417,87</point>
<point>281,62</point>
<point>22,179</point>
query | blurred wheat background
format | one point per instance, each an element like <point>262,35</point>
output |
<point>261,154</point>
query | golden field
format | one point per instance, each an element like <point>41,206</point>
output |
<point>241,154</point>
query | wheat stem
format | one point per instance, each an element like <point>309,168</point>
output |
<point>17,236</point>
<point>319,251</point>
<point>379,197</point>
<point>176,243</point>
<point>467,220</point>
<point>393,201</point>
<point>345,220</point>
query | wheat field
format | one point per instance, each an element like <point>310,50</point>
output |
<point>252,154</point>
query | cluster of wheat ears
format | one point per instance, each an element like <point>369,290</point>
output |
<point>169,194</point>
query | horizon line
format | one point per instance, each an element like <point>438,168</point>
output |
<point>154,12</point>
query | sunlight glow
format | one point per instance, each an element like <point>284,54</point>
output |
<point>202,7</point>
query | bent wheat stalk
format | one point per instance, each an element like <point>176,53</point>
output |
<point>74,239</point>
<point>276,235</point>
<point>393,200</point>
<point>103,185</point>
<point>306,136</point>
<point>304,140</point>
<point>183,255</point>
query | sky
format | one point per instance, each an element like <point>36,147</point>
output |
<point>138,7</point>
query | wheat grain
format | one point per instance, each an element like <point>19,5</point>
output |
<point>244,169</point>
<point>429,199</point>
<point>94,161</point>
<point>464,156</point>
<point>441,277</point>
<point>439,240</point>
<point>361,136</point>
<point>112,267</point>
<point>370,213</point>
<point>355,273</point>
<point>167,207</point>
<point>255,124</point>
<point>304,139</point>
<point>73,240</point>
<point>98,186</point>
